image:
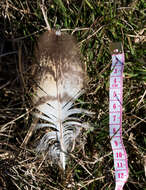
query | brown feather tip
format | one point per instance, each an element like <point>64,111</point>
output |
<point>58,51</point>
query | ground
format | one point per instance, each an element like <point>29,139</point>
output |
<point>94,24</point>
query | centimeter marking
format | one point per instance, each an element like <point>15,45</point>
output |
<point>115,120</point>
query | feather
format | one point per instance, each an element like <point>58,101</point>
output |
<point>60,78</point>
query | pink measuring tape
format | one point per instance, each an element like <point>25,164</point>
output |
<point>115,115</point>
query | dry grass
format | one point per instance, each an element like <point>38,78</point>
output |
<point>95,24</point>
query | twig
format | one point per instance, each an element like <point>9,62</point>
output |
<point>45,15</point>
<point>20,68</point>
<point>90,181</point>
<point>134,126</point>
<point>143,120</point>
<point>29,133</point>
<point>100,159</point>
<point>4,85</point>
<point>80,162</point>
<point>19,117</point>
<point>90,36</point>
<point>141,100</point>
<point>9,53</point>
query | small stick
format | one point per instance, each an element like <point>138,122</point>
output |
<point>29,133</point>
<point>42,6</point>
<point>21,68</point>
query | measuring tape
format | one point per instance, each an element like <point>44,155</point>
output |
<point>115,115</point>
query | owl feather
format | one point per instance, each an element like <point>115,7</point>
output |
<point>60,77</point>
